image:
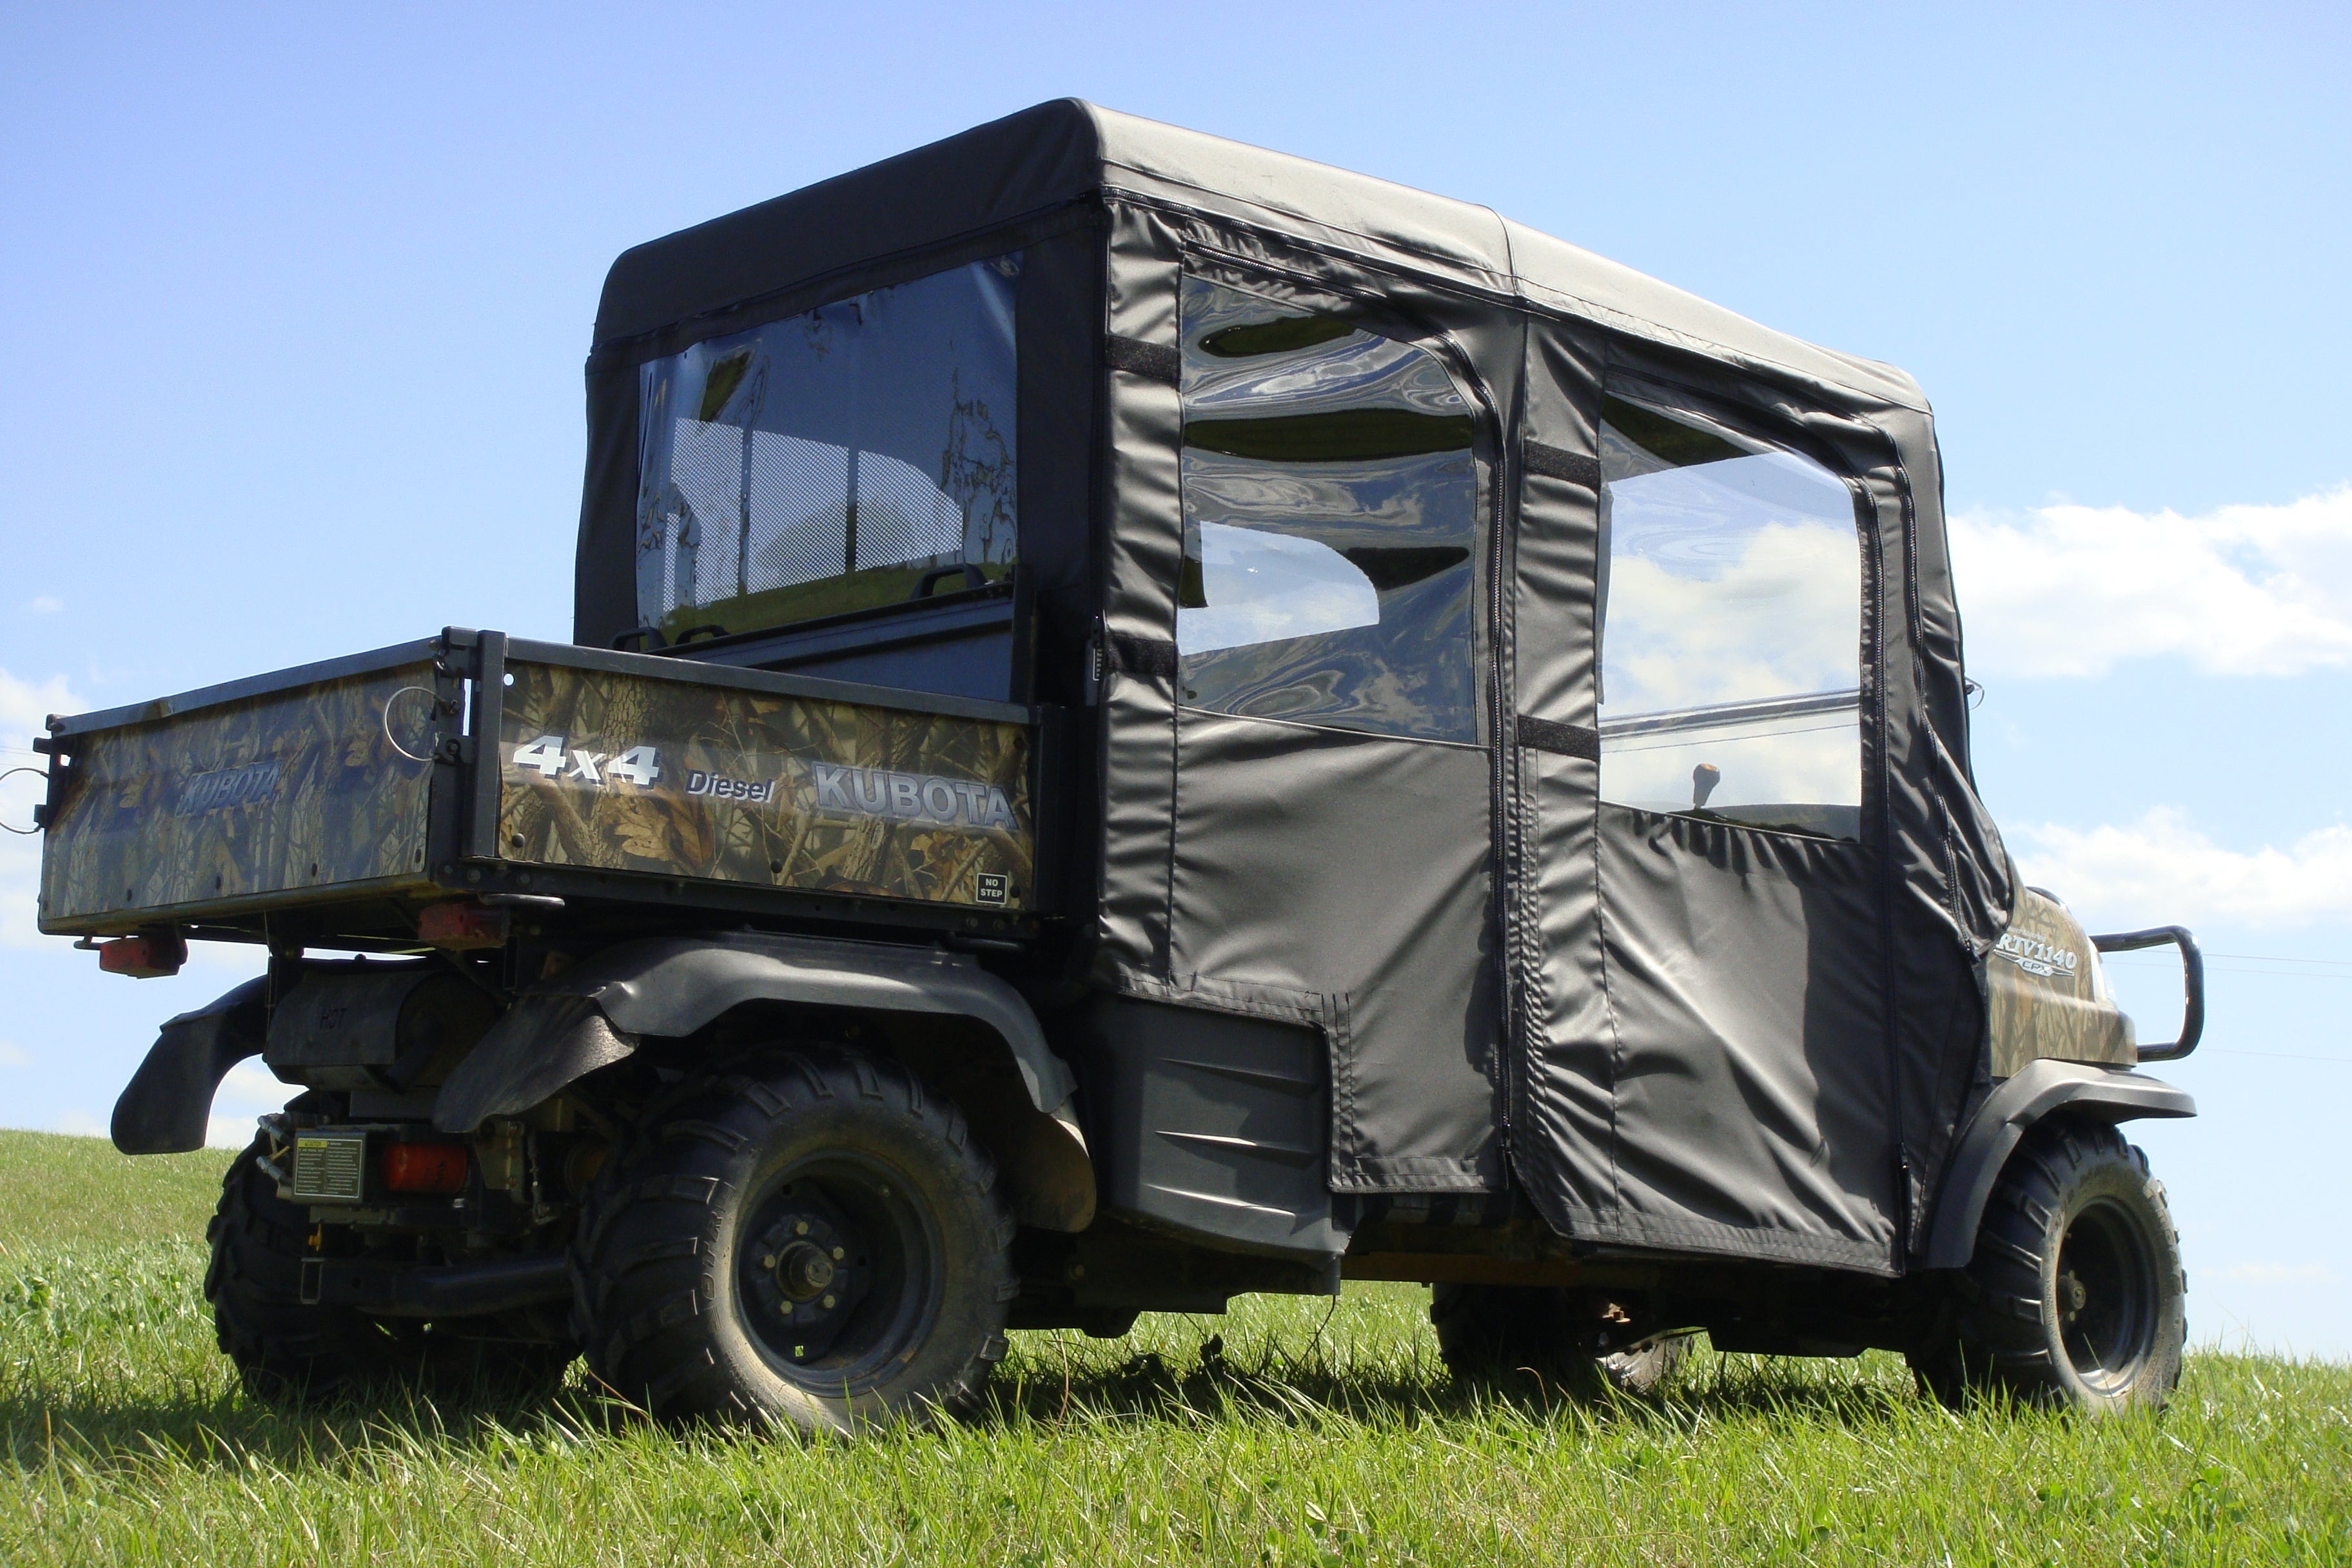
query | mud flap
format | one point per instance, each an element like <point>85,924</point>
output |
<point>168,1105</point>
<point>541,1044</point>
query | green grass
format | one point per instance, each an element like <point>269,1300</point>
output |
<point>1319,1434</point>
<point>58,1192</point>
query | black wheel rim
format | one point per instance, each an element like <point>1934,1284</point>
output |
<point>837,1273</point>
<point>2106,1297</point>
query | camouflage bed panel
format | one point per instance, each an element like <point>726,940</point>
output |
<point>297,793</point>
<point>625,772</point>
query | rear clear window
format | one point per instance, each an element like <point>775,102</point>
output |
<point>1330,505</point>
<point>827,462</point>
<point>1731,626</point>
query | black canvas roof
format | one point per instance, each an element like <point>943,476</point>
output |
<point>1066,150</point>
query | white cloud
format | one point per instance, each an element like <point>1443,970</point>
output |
<point>79,1124</point>
<point>46,605</point>
<point>1265,587</point>
<point>2277,1273</point>
<point>249,1090</point>
<point>2161,869</point>
<point>24,707</point>
<point>228,1131</point>
<point>14,1055</point>
<point>1782,615</point>
<point>2074,590</point>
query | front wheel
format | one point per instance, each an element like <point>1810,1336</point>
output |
<point>2075,1299</point>
<point>811,1240</point>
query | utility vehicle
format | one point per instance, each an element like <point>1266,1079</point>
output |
<point>1149,721</point>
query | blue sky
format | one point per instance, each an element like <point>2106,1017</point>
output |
<point>297,299</point>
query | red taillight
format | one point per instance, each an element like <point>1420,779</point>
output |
<point>461,925</point>
<point>147,956</point>
<point>424,1167</point>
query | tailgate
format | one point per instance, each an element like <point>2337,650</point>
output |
<point>285,789</point>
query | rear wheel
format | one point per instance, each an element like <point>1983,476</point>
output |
<point>289,1352</point>
<point>810,1239</point>
<point>2074,1297</point>
<point>285,1352</point>
<point>1561,1337</point>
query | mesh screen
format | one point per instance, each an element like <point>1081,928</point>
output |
<point>902,516</point>
<point>818,465</point>
<point>800,510</point>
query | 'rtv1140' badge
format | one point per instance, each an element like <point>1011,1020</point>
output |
<point>639,765</point>
<point>2035,956</point>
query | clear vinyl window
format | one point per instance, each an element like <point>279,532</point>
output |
<point>1330,504</point>
<point>1731,626</point>
<point>827,462</point>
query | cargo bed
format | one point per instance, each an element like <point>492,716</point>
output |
<point>333,800</point>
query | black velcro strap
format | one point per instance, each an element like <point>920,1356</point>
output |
<point>1565,740</point>
<point>1152,362</point>
<point>1152,657</point>
<point>1553,463</point>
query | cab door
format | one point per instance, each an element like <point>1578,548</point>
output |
<point>1704,1040</point>
<point>1330,826</point>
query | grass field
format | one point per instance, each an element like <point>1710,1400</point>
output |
<point>1290,1432</point>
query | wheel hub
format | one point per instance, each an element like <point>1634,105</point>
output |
<point>804,1270</point>
<point>2072,1296</point>
<point>2105,1296</point>
<point>806,1274</point>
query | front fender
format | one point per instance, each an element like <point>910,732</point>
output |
<point>2037,1089</point>
<point>168,1104</point>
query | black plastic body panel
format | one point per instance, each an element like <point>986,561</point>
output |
<point>1210,1125</point>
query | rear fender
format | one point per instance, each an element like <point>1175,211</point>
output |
<point>2039,1089</point>
<point>594,1014</point>
<point>168,1103</point>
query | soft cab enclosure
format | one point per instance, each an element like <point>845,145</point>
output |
<point>1518,726</point>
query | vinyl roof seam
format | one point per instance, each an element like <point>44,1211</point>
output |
<point>1372,242</point>
<point>1579,307</point>
<point>1523,290</point>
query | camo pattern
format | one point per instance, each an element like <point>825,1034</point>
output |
<point>2043,993</point>
<point>289,797</point>
<point>668,776</point>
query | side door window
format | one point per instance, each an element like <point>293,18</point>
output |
<point>1730,624</point>
<point>1330,520</point>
